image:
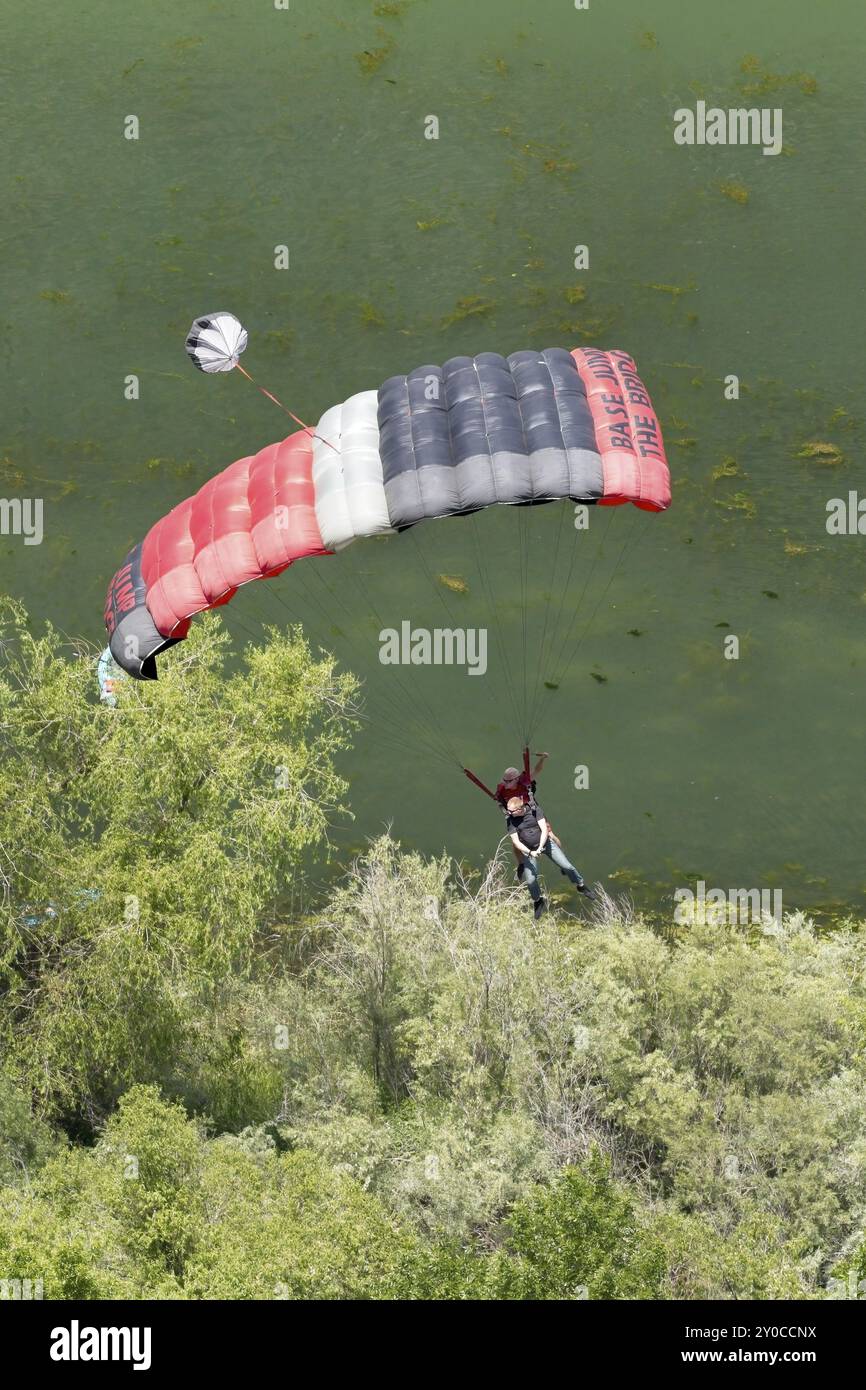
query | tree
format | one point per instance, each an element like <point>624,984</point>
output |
<point>142,848</point>
<point>25,1140</point>
<point>157,1211</point>
<point>580,1237</point>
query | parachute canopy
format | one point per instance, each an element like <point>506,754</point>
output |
<point>216,341</point>
<point>443,441</point>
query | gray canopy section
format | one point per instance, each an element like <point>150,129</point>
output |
<point>486,429</point>
<point>133,637</point>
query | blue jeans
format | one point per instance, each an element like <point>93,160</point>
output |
<point>530,870</point>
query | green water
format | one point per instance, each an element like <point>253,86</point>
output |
<point>305,127</point>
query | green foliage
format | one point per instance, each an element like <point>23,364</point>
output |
<point>287,1226</point>
<point>579,1238</point>
<point>156,1211</point>
<point>749,1259</point>
<point>144,847</point>
<point>452,1056</point>
<point>46,1233</point>
<point>149,1162</point>
<point>25,1141</point>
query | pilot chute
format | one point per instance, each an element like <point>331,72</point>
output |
<point>216,341</point>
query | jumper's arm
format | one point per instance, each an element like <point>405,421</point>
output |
<point>542,759</point>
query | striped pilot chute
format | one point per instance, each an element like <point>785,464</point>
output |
<point>441,441</point>
<point>216,341</point>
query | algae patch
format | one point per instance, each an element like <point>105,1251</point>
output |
<point>454,582</point>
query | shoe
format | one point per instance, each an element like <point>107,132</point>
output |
<point>540,908</point>
<point>587,892</point>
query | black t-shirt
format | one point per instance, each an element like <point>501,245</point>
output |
<point>525,826</point>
